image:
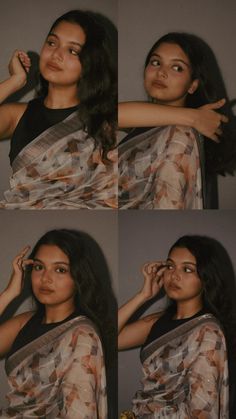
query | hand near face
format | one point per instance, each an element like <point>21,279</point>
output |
<point>15,285</point>
<point>19,66</point>
<point>153,279</point>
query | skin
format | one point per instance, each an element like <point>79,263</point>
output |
<point>52,283</point>
<point>50,271</point>
<point>168,76</point>
<point>59,65</point>
<point>181,282</point>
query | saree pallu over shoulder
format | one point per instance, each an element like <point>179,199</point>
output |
<point>185,374</point>
<point>162,168</point>
<point>62,168</point>
<point>59,375</point>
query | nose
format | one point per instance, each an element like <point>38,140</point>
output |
<point>175,274</point>
<point>46,277</point>
<point>162,71</point>
<point>58,54</point>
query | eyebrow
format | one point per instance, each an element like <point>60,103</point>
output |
<point>54,263</point>
<point>172,59</point>
<point>183,263</point>
<point>69,42</point>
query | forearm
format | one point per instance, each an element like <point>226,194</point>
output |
<point>5,300</point>
<point>9,86</point>
<point>144,114</point>
<point>128,309</point>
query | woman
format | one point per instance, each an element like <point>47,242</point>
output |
<point>55,362</point>
<point>164,167</point>
<point>184,353</point>
<point>61,140</point>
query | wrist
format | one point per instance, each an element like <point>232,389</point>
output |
<point>17,81</point>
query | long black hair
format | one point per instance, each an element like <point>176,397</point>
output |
<point>217,275</point>
<point>97,87</point>
<point>220,158</point>
<point>93,294</point>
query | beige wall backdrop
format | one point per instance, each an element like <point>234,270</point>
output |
<point>146,236</point>
<point>24,24</point>
<point>21,228</point>
<point>142,22</point>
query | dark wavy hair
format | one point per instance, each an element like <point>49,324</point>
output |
<point>92,295</point>
<point>217,275</point>
<point>220,158</point>
<point>97,87</point>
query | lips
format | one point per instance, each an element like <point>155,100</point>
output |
<point>159,84</point>
<point>45,291</point>
<point>174,287</point>
<point>53,66</point>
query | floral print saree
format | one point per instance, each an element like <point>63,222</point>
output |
<point>185,373</point>
<point>61,374</point>
<point>62,168</point>
<point>162,168</point>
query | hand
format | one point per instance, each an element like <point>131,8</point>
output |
<point>19,66</point>
<point>153,279</point>
<point>15,285</point>
<point>208,121</point>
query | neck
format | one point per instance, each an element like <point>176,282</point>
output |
<point>60,97</point>
<point>186,309</point>
<point>54,314</point>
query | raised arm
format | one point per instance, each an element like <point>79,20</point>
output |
<point>10,113</point>
<point>10,329</point>
<point>144,114</point>
<point>134,334</point>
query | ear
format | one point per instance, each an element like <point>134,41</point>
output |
<point>193,86</point>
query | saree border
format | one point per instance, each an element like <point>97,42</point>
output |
<point>181,329</point>
<point>47,138</point>
<point>16,358</point>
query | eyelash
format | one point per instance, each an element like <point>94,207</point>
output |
<point>185,268</point>
<point>71,50</point>
<point>60,270</point>
<point>156,63</point>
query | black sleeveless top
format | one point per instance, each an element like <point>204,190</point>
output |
<point>36,119</point>
<point>166,323</point>
<point>34,328</point>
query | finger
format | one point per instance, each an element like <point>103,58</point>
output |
<point>24,251</point>
<point>27,262</point>
<point>224,118</point>
<point>214,138</point>
<point>216,105</point>
<point>218,131</point>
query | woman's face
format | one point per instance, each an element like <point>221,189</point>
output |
<point>52,282</point>
<point>181,280</point>
<point>59,58</point>
<point>168,75</point>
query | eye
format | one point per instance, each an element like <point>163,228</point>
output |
<point>74,52</point>
<point>169,266</point>
<point>61,270</point>
<point>37,267</point>
<point>188,270</point>
<point>154,62</point>
<point>50,43</point>
<point>177,68</point>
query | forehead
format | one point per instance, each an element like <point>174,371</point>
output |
<point>179,254</point>
<point>171,51</point>
<point>51,252</point>
<point>69,32</point>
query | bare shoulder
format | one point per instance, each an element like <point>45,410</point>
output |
<point>152,317</point>
<point>16,111</point>
<point>22,318</point>
<point>10,114</point>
